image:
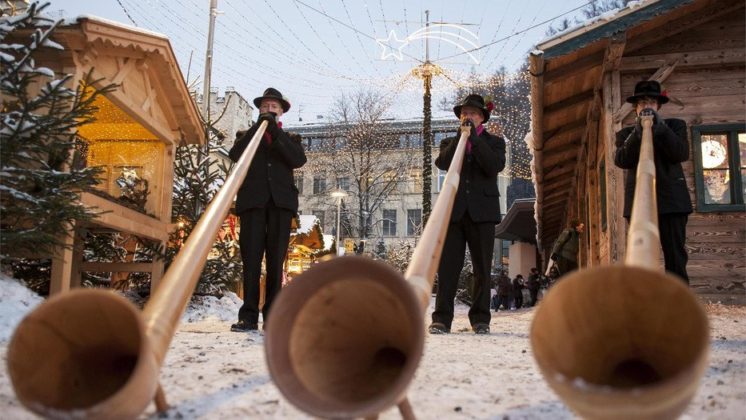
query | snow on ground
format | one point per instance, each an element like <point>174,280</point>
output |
<point>15,301</point>
<point>211,372</point>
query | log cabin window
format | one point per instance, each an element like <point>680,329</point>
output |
<point>720,167</point>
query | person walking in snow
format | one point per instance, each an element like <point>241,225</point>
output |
<point>476,210</point>
<point>504,292</point>
<point>266,203</point>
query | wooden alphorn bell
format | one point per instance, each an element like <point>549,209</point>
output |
<point>92,354</point>
<point>345,338</point>
<point>626,341</point>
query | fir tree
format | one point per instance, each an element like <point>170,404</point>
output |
<point>197,178</point>
<point>41,175</point>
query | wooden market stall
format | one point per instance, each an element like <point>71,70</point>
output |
<point>580,79</point>
<point>137,128</point>
<point>306,240</point>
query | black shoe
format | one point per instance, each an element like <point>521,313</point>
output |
<point>481,329</point>
<point>438,328</point>
<point>243,326</point>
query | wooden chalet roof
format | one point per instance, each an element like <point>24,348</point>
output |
<point>152,87</point>
<point>566,96</point>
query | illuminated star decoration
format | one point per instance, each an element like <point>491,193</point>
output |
<point>388,49</point>
<point>439,31</point>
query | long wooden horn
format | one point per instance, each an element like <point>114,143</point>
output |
<point>91,353</point>
<point>345,338</point>
<point>622,342</point>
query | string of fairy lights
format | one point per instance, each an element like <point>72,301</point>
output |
<point>275,46</point>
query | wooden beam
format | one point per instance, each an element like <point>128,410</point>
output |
<point>62,263</point>
<point>660,75</point>
<point>573,68</point>
<point>614,52</point>
<point>569,127</point>
<point>684,23</point>
<point>559,170</point>
<point>559,193</point>
<point>127,65</point>
<point>536,70</point>
<point>551,159</point>
<point>556,183</point>
<point>121,218</point>
<point>566,145</point>
<point>709,58</point>
<point>571,101</point>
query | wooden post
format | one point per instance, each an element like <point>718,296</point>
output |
<point>62,264</point>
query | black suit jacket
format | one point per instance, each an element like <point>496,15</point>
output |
<point>271,172</point>
<point>477,188</point>
<point>671,147</point>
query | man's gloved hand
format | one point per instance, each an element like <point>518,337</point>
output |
<point>638,121</point>
<point>553,257</point>
<point>271,119</point>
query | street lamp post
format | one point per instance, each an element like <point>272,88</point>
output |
<point>339,195</point>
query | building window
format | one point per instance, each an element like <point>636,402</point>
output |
<point>720,167</point>
<point>414,221</point>
<point>299,183</point>
<point>389,223</point>
<point>319,215</point>
<point>319,185</point>
<point>343,183</point>
<point>415,177</point>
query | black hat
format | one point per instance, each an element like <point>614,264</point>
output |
<point>475,101</point>
<point>650,89</point>
<point>272,93</point>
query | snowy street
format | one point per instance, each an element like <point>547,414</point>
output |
<point>211,372</point>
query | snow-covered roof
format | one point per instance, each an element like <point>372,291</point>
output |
<point>328,241</point>
<point>307,221</point>
<point>604,25</point>
<point>93,18</point>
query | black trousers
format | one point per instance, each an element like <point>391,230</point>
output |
<point>265,232</point>
<point>672,229</point>
<point>481,240</point>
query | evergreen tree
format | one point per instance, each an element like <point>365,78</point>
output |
<point>197,178</point>
<point>41,174</point>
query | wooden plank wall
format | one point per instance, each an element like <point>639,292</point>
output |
<point>716,242</point>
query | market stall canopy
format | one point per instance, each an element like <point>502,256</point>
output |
<point>519,223</point>
<point>308,233</point>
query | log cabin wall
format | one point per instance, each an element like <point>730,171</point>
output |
<point>697,50</point>
<point>704,93</point>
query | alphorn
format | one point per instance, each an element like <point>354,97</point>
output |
<point>93,354</point>
<point>344,339</point>
<point>626,341</point>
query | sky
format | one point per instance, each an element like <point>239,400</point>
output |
<point>317,51</point>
